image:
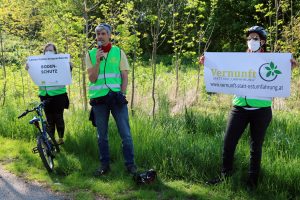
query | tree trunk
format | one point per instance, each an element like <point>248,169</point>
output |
<point>198,82</point>
<point>29,89</point>
<point>83,67</point>
<point>199,69</point>
<point>67,50</point>
<point>3,66</point>
<point>84,92</point>
<point>79,80</point>
<point>154,50</point>
<point>23,89</point>
<point>276,24</point>
<point>270,25</point>
<point>175,50</point>
<point>133,79</point>
<point>177,75</point>
<point>292,24</point>
<point>155,34</point>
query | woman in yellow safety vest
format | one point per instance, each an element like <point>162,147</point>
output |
<point>255,111</point>
<point>56,101</point>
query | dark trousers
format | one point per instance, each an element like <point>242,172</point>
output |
<point>259,121</point>
<point>56,120</point>
<point>54,110</point>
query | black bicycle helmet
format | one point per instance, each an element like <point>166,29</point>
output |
<point>145,177</point>
<point>259,30</point>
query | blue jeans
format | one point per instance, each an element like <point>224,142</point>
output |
<point>120,114</point>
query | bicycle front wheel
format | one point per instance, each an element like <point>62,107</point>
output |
<point>45,154</point>
<point>54,143</point>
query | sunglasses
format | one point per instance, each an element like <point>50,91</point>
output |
<point>253,38</point>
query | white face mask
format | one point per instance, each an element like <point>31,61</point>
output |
<point>253,45</point>
<point>47,53</point>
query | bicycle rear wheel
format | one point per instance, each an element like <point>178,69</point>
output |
<point>45,154</point>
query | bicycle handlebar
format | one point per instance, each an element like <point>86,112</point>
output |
<point>23,114</point>
<point>42,104</point>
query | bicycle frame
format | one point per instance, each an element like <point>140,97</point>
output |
<point>36,121</point>
<point>47,146</point>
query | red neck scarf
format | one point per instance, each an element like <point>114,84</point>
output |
<point>106,48</point>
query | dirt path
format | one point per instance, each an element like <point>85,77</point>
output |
<point>15,188</point>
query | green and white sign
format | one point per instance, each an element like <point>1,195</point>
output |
<point>248,74</point>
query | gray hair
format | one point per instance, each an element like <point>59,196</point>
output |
<point>103,26</point>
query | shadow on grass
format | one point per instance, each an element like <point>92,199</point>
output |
<point>76,164</point>
<point>78,176</point>
<point>179,175</point>
<point>118,184</point>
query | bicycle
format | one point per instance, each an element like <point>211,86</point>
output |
<point>47,148</point>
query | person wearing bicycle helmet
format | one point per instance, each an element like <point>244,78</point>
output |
<point>108,67</point>
<point>56,101</point>
<point>255,111</point>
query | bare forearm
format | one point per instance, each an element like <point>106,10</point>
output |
<point>124,82</point>
<point>294,63</point>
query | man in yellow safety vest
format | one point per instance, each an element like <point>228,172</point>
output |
<point>108,75</point>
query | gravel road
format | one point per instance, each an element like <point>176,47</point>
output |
<point>15,188</point>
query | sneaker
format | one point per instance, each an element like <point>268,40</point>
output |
<point>101,171</point>
<point>60,141</point>
<point>132,169</point>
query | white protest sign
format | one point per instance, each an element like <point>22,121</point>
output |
<point>248,74</point>
<point>50,70</point>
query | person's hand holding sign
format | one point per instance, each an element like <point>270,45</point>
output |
<point>27,66</point>
<point>201,60</point>
<point>294,63</point>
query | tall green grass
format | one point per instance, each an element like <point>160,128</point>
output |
<point>183,143</point>
<point>182,147</point>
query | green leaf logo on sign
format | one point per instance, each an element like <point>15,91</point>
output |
<point>269,71</point>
